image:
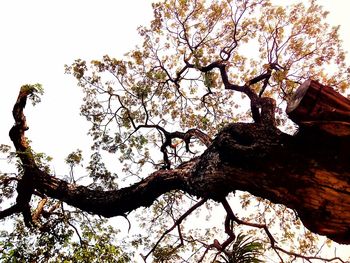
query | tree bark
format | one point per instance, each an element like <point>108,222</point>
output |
<point>316,105</point>
<point>308,172</point>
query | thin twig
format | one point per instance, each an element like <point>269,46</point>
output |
<point>177,223</point>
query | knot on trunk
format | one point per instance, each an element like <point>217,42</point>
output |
<point>244,143</point>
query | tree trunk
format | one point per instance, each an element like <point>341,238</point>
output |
<point>308,173</point>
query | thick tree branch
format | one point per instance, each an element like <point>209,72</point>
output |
<point>9,211</point>
<point>114,202</point>
<point>317,106</point>
<point>308,172</point>
<point>25,186</point>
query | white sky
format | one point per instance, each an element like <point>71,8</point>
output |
<point>38,37</point>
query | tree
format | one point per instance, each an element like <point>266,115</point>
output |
<point>206,88</point>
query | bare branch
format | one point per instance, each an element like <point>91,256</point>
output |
<point>176,224</point>
<point>273,242</point>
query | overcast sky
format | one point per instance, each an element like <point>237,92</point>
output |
<point>39,36</point>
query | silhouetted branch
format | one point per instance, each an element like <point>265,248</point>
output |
<point>272,240</point>
<point>176,224</point>
<point>9,211</point>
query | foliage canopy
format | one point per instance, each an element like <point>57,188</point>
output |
<point>201,65</point>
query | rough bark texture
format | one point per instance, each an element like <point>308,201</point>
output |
<point>309,172</point>
<point>315,105</point>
